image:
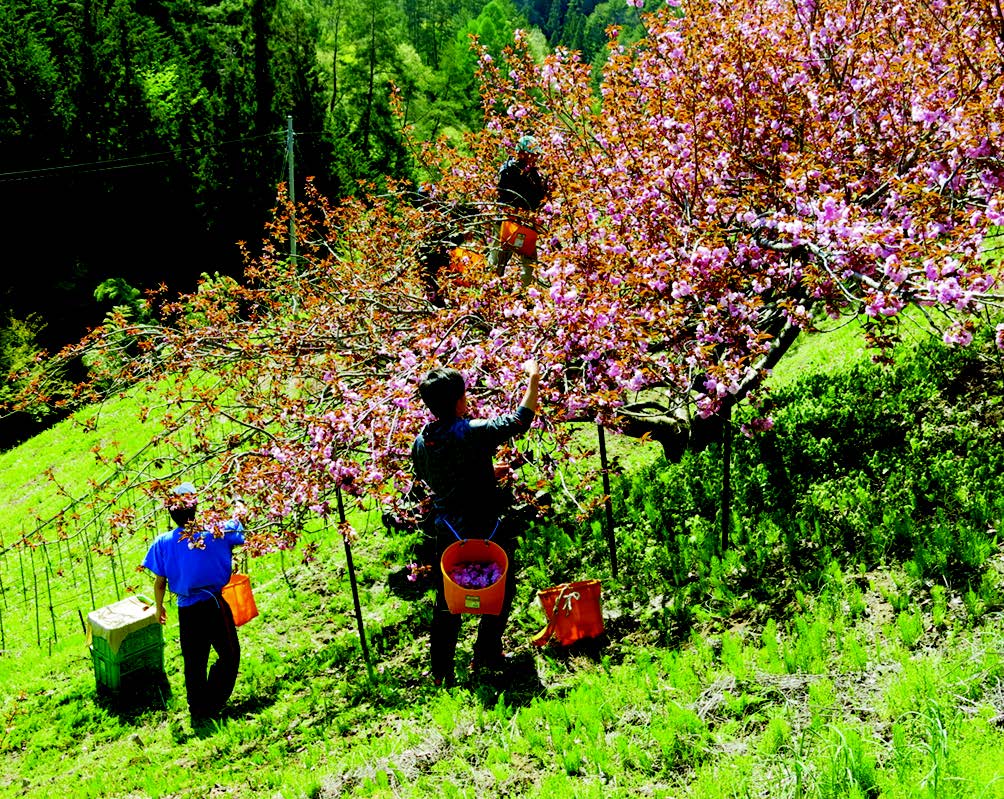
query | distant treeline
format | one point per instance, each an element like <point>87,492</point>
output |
<point>141,139</point>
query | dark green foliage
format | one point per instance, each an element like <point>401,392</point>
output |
<point>887,462</point>
<point>142,138</point>
<point>868,467</point>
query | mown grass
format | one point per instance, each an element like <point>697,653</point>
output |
<point>851,643</point>
<point>827,704</point>
<point>62,456</point>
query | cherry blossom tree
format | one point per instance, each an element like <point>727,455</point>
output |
<point>742,171</point>
<point>749,167</point>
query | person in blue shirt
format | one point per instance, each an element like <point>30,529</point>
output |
<point>453,457</point>
<point>195,564</point>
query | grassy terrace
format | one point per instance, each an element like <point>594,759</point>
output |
<point>852,643</point>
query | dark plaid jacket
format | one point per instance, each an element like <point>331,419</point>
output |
<point>521,185</point>
<point>454,459</point>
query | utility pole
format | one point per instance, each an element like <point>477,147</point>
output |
<point>290,189</point>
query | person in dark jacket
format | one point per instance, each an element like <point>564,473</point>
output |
<point>522,188</point>
<point>445,231</point>
<point>453,456</point>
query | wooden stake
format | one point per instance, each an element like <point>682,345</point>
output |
<point>607,500</point>
<point>355,589</point>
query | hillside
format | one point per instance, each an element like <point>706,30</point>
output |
<point>850,644</point>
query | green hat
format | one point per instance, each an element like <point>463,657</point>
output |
<point>527,144</point>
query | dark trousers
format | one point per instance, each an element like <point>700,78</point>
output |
<point>446,626</point>
<point>204,625</point>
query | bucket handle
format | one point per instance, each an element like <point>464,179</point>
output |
<point>447,523</point>
<point>569,597</point>
<point>544,635</point>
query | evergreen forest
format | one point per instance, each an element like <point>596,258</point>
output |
<point>140,140</point>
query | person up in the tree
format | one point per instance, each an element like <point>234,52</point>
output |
<point>522,188</point>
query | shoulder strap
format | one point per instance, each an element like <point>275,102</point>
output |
<point>544,635</point>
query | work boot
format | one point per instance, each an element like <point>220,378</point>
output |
<point>492,664</point>
<point>444,681</point>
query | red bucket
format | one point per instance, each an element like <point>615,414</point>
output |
<point>238,595</point>
<point>486,600</point>
<point>573,612</point>
<point>519,238</point>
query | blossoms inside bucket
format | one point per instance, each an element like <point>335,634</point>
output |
<point>474,572</point>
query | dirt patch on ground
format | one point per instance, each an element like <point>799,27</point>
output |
<point>399,770</point>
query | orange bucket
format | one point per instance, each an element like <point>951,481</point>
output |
<point>238,595</point>
<point>519,238</point>
<point>573,612</point>
<point>463,261</point>
<point>474,600</point>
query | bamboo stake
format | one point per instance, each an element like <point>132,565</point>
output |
<point>52,609</point>
<point>20,563</point>
<point>3,592</point>
<point>115,579</point>
<point>45,551</point>
<point>607,500</point>
<point>355,589</point>
<point>38,622</point>
<point>90,577</point>
<point>69,559</point>
<point>122,571</point>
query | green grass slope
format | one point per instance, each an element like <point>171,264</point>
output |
<point>851,643</point>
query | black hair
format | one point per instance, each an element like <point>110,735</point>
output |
<point>441,389</point>
<point>182,517</point>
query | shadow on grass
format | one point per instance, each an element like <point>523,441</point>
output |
<point>137,694</point>
<point>518,681</point>
<point>590,648</point>
<point>248,706</point>
<point>401,585</point>
<point>233,712</point>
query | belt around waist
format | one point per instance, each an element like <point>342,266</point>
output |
<point>202,595</point>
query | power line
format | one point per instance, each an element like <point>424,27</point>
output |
<point>129,162</point>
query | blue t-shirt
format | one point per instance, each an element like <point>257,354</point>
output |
<point>198,567</point>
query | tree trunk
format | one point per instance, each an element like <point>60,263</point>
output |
<point>261,22</point>
<point>671,424</point>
